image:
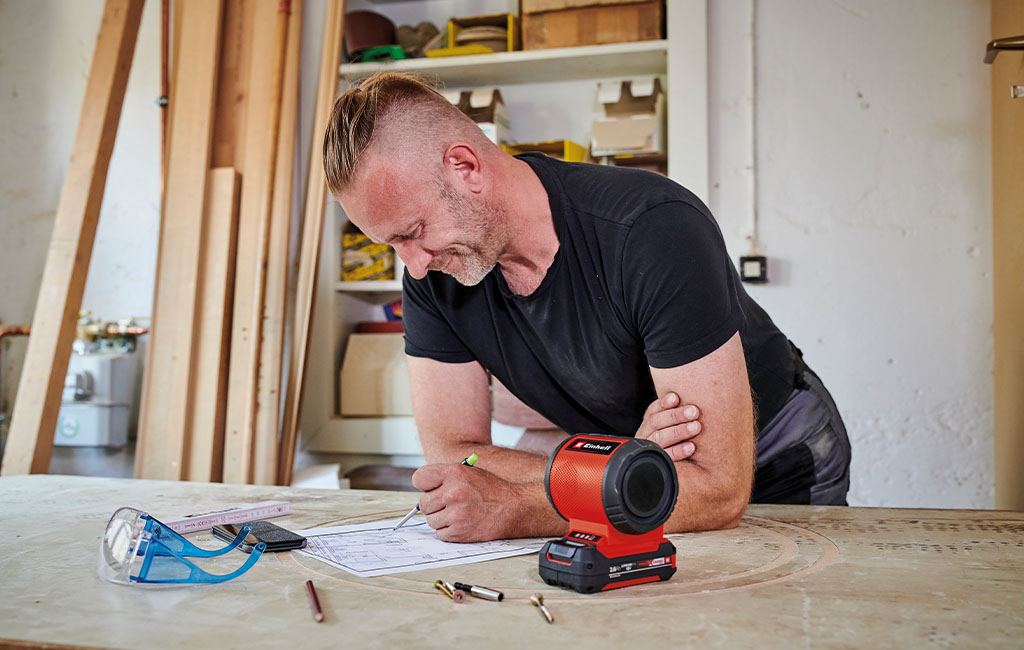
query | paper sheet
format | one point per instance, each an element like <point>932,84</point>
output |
<point>374,549</point>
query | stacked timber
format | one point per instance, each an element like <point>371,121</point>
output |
<point>213,389</point>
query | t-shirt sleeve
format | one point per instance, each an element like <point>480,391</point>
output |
<point>427,332</point>
<point>679,284</point>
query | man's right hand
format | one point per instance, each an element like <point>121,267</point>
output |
<point>671,424</point>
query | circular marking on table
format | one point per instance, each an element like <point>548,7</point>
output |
<point>757,553</point>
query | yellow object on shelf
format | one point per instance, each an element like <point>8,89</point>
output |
<point>505,22</point>
<point>566,150</point>
<point>461,50</point>
<point>362,259</point>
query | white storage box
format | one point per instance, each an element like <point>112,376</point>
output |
<point>88,424</point>
<point>635,119</point>
<point>487,109</point>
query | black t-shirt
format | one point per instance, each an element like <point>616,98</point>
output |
<point>641,278</point>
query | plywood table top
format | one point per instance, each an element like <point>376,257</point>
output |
<point>788,576</point>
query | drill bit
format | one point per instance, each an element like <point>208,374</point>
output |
<point>455,594</point>
<point>538,601</point>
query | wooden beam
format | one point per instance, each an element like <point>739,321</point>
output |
<point>1008,257</point>
<point>268,400</point>
<point>166,412</point>
<point>216,286</point>
<point>233,85</point>
<point>262,122</point>
<point>312,236</point>
<point>30,440</point>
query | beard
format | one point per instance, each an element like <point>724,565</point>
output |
<point>483,237</point>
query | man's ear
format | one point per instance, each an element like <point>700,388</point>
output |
<point>462,159</point>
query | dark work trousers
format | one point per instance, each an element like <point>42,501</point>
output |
<point>803,453</point>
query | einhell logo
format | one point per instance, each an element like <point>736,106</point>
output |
<point>594,446</point>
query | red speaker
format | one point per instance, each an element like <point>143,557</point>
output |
<point>616,494</point>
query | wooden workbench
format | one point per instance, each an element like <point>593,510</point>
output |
<point>788,576</point>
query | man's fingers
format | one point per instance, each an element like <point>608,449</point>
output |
<point>682,422</point>
<point>675,434</point>
<point>428,477</point>
<point>681,452</point>
<point>667,401</point>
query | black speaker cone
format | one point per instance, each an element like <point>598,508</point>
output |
<point>640,487</point>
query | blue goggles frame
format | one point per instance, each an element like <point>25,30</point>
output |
<point>136,548</point>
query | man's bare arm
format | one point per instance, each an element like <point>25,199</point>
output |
<point>714,482</point>
<point>453,414</point>
<point>503,496</point>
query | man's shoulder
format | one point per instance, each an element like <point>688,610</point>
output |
<point>616,195</point>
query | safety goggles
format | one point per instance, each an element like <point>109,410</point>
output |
<point>138,549</point>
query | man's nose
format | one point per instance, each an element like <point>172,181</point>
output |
<point>416,259</point>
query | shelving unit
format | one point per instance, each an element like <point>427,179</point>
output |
<point>531,66</point>
<point>370,286</point>
<point>681,59</point>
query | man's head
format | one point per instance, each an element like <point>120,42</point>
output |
<point>413,171</point>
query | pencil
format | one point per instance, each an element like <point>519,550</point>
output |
<point>314,602</point>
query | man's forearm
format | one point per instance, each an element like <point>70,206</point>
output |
<point>510,464</point>
<point>526,511</point>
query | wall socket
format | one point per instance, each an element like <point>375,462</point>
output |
<point>754,269</point>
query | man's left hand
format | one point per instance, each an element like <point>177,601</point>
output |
<point>671,424</point>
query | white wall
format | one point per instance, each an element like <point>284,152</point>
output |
<point>873,196</point>
<point>46,49</point>
<point>874,209</point>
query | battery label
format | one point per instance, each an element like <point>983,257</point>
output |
<point>617,570</point>
<point>602,447</point>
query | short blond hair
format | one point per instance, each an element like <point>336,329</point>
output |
<point>362,107</point>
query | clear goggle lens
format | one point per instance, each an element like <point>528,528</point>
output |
<point>138,549</point>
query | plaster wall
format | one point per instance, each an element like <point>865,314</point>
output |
<point>46,49</point>
<point>873,203</point>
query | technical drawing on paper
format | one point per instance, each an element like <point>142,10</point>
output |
<point>374,549</point>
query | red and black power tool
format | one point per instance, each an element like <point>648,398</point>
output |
<point>616,494</point>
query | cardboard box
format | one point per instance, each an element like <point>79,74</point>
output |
<point>362,259</point>
<point>506,408</point>
<point>374,377</point>
<point>537,6</point>
<point>487,109</point>
<point>571,25</point>
<point>656,162</point>
<point>635,119</point>
<point>507,40</point>
<point>566,150</point>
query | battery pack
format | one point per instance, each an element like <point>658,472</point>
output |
<point>580,565</point>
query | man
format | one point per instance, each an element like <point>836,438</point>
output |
<point>603,298</point>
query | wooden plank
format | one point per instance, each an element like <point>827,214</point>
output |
<point>233,86</point>
<point>312,237</point>
<point>268,401</point>
<point>237,455</point>
<point>250,272</point>
<point>30,439</point>
<point>1008,258</point>
<point>216,274</point>
<point>166,411</point>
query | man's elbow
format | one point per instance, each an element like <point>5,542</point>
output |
<point>733,510</point>
<point>735,504</point>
